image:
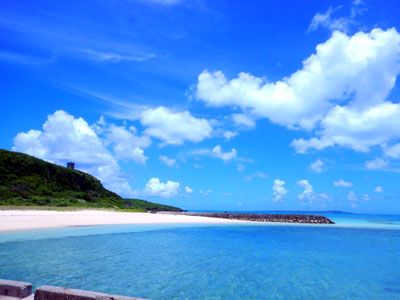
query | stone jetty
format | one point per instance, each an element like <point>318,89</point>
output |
<point>280,218</point>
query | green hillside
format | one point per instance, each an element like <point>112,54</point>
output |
<point>29,181</point>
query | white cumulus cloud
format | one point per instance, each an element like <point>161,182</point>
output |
<point>308,196</point>
<point>358,129</point>
<point>339,94</point>
<point>188,190</point>
<point>342,66</point>
<point>278,190</point>
<point>65,138</point>
<point>308,192</point>
<point>225,156</point>
<point>378,189</point>
<point>155,188</point>
<point>174,128</point>
<point>126,144</point>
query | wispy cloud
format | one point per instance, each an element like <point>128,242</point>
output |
<point>352,196</point>
<point>318,166</point>
<point>376,164</point>
<point>216,152</point>
<point>326,20</point>
<point>112,56</point>
<point>257,174</point>
<point>170,162</point>
<point>225,194</point>
<point>241,167</point>
<point>342,183</point>
<point>329,21</point>
<point>205,192</point>
<point>126,108</point>
<point>26,59</point>
<point>163,2</point>
<point>65,35</point>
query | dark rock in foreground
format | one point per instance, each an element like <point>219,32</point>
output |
<point>17,290</point>
<point>283,218</point>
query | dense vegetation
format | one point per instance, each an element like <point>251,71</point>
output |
<point>29,181</point>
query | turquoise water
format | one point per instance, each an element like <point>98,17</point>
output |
<point>344,219</point>
<point>212,262</point>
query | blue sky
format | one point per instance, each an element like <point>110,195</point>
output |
<point>219,105</point>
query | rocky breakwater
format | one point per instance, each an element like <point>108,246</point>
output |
<point>281,218</point>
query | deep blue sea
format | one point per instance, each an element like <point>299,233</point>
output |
<point>357,259</point>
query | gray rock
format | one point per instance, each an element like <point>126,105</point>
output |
<point>16,289</point>
<point>281,218</point>
<point>60,293</point>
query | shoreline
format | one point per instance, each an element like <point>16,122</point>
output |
<point>19,220</point>
<point>14,220</point>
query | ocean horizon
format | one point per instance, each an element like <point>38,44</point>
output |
<point>357,258</point>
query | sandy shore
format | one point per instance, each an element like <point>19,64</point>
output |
<point>14,220</point>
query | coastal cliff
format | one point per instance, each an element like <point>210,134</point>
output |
<point>28,181</point>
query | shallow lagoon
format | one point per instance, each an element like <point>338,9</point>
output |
<point>212,262</point>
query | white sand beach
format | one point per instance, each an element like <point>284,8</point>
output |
<point>14,220</point>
